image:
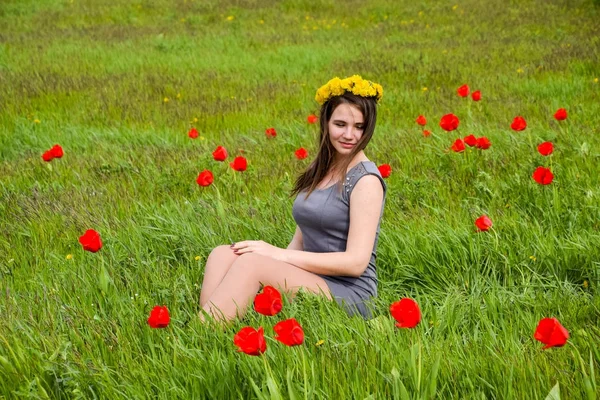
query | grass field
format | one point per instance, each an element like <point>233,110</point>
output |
<point>118,85</point>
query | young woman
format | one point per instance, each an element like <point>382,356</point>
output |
<point>338,210</point>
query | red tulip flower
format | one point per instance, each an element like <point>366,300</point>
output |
<point>301,153</point>
<point>543,176</point>
<point>268,302</point>
<point>57,151</point>
<point>546,148</point>
<point>159,317</point>
<point>312,118</point>
<point>560,114</point>
<point>90,241</point>
<point>421,120</point>
<point>449,122</point>
<point>406,312</point>
<point>458,146</point>
<point>193,133</point>
<point>518,124</point>
<point>483,223</point>
<point>426,133</point>
<point>47,156</point>
<point>385,170</point>
<point>289,332</point>
<point>271,132</point>
<point>205,178</point>
<point>463,91</point>
<point>239,163</point>
<point>551,333</point>
<point>471,140</point>
<point>476,95</point>
<point>483,143</point>
<point>250,341</point>
<point>220,153</point>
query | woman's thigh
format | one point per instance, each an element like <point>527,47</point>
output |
<point>284,276</point>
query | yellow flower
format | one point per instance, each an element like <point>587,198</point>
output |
<point>166,100</point>
<point>202,138</point>
<point>230,18</point>
<point>520,70</point>
<point>69,256</point>
<point>197,258</point>
<point>424,89</point>
<point>420,13</point>
<point>595,80</point>
<point>178,95</point>
<point>320,342</point>
<point>37,121</point>
<point>261,21</point>
<point>585,284</point>
<point>532,258</point>
<point>454,7</point>
<point>195,119</point>
<point>182,19</point>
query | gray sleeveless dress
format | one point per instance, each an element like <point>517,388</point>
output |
<point>324,219</point>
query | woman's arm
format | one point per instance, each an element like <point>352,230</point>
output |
<point>296,243</point>
<point>365,211</point>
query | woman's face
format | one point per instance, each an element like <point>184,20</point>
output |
<point>346,126</point>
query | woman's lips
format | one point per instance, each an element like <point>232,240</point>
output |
<point>347,145</point>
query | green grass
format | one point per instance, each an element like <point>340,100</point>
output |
<point>93,75</point>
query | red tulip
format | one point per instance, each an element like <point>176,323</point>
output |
<point>90,241</point>
<point>47,156</point>
<point>57,151</point>
<point>543,176</point>
<point>463,91</point>
<point>483,223</point>
<point>301,153</point>
<point>483,143</point>
<point>550,332</point>
<point>268,302</point>
<point>239,164</point>
<point>518,124</point>
<point>270,132</point>
<point>193,133</point>
<point>546,148</point>
<point>449,122</point>
<point>385,170</point>
<point>471,140</point>
<point>476,95</point>
<point>205,178</point>
<point>220,153</point>
<point>289,332</point>
<point>312,118</point>
<point>458,146</point>
<point>421,120</point>
<point>560,114</point>
<point>250,341</point>
<point>406,312</point>
<point>426,133</point>
<point>159,317</point>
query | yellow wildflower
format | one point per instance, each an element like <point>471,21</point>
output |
<point>69,256</point>
<point>520,70</point>
<point>166,100</point>
<point>320,342</point>
<point>424,89</point>
<point>454,7</point>
<point>197,258</point>
<point>261,21</point>
<point>585,284</point>
<point>37,121</point>
<point>195,119</point>
<point>230,18</point>
<point>178,95</point>
<point>532,258</point>
<point>595,80</point>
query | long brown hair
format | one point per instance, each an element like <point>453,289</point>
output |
<point>317,170</point>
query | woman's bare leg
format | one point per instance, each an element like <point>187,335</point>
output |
<point>245,277</point>
<point>217,265</point>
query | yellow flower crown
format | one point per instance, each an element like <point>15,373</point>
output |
<point>354,84</point>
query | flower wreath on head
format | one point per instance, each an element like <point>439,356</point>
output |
<point>354,84</point>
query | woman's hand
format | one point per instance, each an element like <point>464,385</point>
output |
<point>258,247</point>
